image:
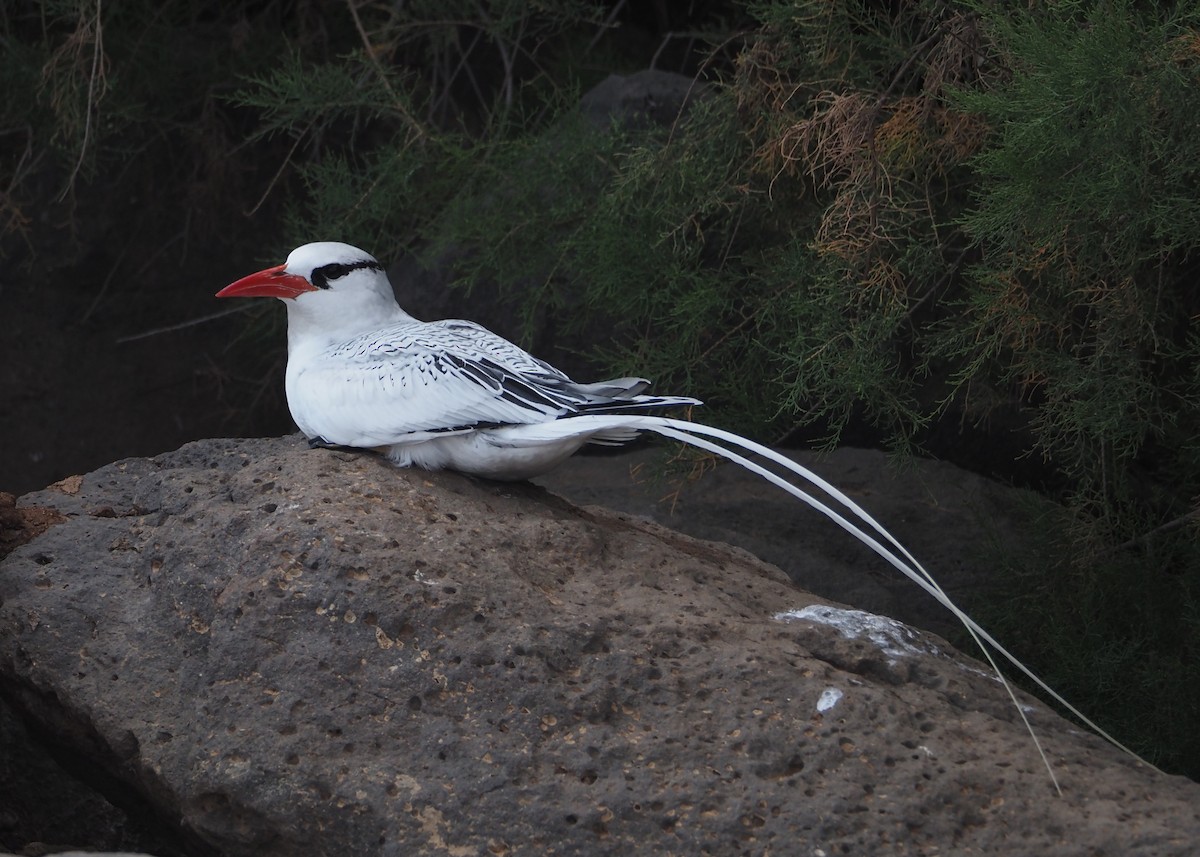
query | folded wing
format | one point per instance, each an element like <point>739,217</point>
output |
<point>413,381</point>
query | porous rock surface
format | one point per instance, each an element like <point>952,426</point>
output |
<point>304,652</point>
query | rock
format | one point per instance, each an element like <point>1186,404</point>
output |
<point>953,521</point>
<point>303,652</point>
<point>19,525</point>
<point>37,851</point>
<point>646,99</point>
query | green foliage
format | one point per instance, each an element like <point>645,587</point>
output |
<point>436,108</point>
<point>640,231</point>
<point>1118,629</point>
<point>302,95</point>
<point>1086,208</point>
<point>519,207</point>
<point>103,94</point>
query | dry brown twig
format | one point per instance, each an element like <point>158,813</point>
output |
<point>88,30</point>
<point>415,129</point>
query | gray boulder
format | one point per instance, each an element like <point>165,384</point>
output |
<point>287,651</point>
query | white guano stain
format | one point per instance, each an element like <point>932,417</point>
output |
<point>894,639</point>
<point>830,697</point>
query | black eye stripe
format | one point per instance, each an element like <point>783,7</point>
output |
<point>334,270</point>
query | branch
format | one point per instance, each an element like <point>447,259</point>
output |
<point>93,99</point>
<point>412,123</point>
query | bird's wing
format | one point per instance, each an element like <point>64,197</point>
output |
<point>498,349</point>
<point>411,380</point>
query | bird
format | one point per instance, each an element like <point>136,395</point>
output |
<point>448,394</point>
<point>362,372</point>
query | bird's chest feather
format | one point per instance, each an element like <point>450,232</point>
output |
<point>333,400</point>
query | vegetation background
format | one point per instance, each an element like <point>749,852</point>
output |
<point>960,229</point>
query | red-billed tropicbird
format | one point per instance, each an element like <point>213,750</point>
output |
<point>439,395</point>
<point>453,395</point>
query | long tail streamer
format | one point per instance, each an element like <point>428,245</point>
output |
<point>696,434</point>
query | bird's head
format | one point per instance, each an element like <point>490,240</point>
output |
<point>329,288</point>
<point>321,266</point>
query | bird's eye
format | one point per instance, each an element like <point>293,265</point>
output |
<point>322,275</point>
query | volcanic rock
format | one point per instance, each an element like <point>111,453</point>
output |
<point>287,651</point>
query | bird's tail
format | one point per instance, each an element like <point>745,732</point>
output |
<point>614,396</point>
<point>865,528</point>
<point>621,397</point>
<point>606,405</point>
<point>613,388</point>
